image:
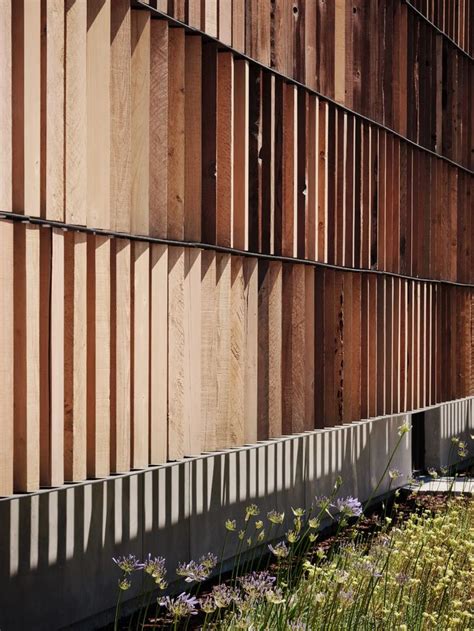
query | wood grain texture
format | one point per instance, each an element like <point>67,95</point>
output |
<point>75,359</point>
<point>98,356</point>
<point>98,113</point>
<point>251,350</point>
<point>209,350</point>
<point>176,145</point>
<point>6,357</point>
<point>53,125</point>
<point>75,156</point>
<point>192,351</point>
<point>159,354</point>
<point>178,436</point>
<point>159,99</point>
<point>193,139</point>
<point>240,227</point>
<point>6,113</point>
<point>225,149</point>
<point>140,122</point>
<point>141,344</point>
<point>122,360</point>
<point>122,52</point>
<point>26,375</point>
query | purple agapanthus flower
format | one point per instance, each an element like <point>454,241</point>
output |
<point>128,564</point>
<point>349,506</point>
<point>256,584</point>
<point>181,606</point>
<point>155,567</point>
<point>197,571</point>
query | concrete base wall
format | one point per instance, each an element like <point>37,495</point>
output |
<point>56,546</point>
<point>441,425</point>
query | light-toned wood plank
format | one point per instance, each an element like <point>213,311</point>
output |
<point>159,355</point>
<point>141,339</point>
<point>98,356</point>
<point>121,111</point>
<point>270,345</point>
<point>209,17</point>
<point>194,13</point>
<point>26,358</point>
<point>75,357</point>
<point>238,25</point>
<point>225,22</point>
<point>6,122</point>
<point>312,178</point>
<point>237,351</point>
<point>121,368</point>
<point>6,355</point>
<point>57,344</point>
<point>224,417</point>
<point>98,113</point>
<point>26,102</point>
<point>178,437</point>
<point>209,350</point>
<point>224,168</point>
<point>241,155</point>
<point>75,174</point>
<point>176,125</point>
<point>52,193</point>
<point>192,350</point>
<point>140,112</point>
<point>251,350</point>
<point>159,91</point>
<point>193,143</point>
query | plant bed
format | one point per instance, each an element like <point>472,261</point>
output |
<point>406,563</point>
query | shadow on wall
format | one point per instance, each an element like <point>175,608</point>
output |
<point>56,546</point>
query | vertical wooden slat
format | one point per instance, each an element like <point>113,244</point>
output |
<point>224,157</point>
<point>209,350</point>
<point>209,135</point>
<point>159,354</point>
<point>225,22</point>
<point>240,193</point>
<point>6,114</point>
<point>224,419</point>
<point>322,218</point>
<point>140,123</point>
<point>26,358</point>
<point>251,350</point>
<point>289,182</point>
<point>209,17</point>
<point>159,98</point>
<point>52,194</point>
<point>75,359</point>
<point>56,469</point>
<point>75,157</point>
<point>269,349</point>
<point>238,25</point>
<point>121,78</point>
<point>98,356</point>
<point>193,143</point>
<point>6,355</point>
<point>192,351</point>
<point>310,348</point>
<point>122,360</point>
<point>176,125</point>
<point>237,351</point>
<point>141,342</point>
<point>178,444</point>
<point>98,113</point>
<point>339,50</point>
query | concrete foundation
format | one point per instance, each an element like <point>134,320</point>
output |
<point>56,546</point>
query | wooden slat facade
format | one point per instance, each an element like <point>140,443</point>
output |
<point>119,352</point>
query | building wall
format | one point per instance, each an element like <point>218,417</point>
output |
<point>223,225</point>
